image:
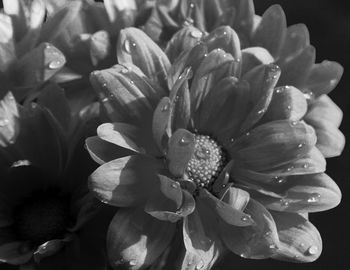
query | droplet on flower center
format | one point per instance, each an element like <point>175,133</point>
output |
<point>41,217</point>
<point>207,161</point>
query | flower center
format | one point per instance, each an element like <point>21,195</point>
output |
<point>42,217</point>
<point>206,162</point>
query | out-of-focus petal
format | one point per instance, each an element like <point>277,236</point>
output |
<point>271,32</point>
<point>7,47</point>
<point>125,181</point>
<point>180,150</point>
<point>300,241</point>
<point>287,102</point>
<point>324,77</point>
<point>134,46</point>
<point>273,144</point>
<point>100,47</point>
<point>11,253</point>
<point>258,241</point>
<point>299,193</point>
<point>135,239</point>
<point>121,13</point>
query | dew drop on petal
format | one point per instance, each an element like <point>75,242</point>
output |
<point>279,179</point>
<point>105,99</point>
<point>165,107</point>
<point>272,246</point>
<point>132,82</point>
<point>55,64</point>
<point>125,70</point>
<point>196,34</point>
<point>294,123</point>
<point>300,145</point>
<point>174,185</point>
<point>315,197</point>
<point>132,263</point>
<point>284,202</point>
<point>126,46</point>
<point>306,165</point>
<point>245,218</point>
<point>261,111</point>
<point>313,250</point>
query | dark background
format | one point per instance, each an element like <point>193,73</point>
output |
<point>329,25</point>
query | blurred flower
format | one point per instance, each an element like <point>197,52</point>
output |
<point>211,142</point>
<point>288,47</point>
<point>46,211</point>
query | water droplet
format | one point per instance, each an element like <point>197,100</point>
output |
<point>261,111</point>
<point>132,82</point>
<point>185,140</point>
<point>243,255</point>
<point>4,122</point>
<point>165,107</point>
<point>174,185</point>
<point>289,107</point>
<point>294,123</point>
<point>315,197</point>
<point>191,5</point>
<point>245,218</point>
<point>306,165</point>
<point>272,246</point>
<point>205,55</point>
<point>132,263</point>
<point>313,250</point>
<point>196,34</point>
<point>279,90</point>
<point>105,99</point>
<point>309,95</point>
<point>300,145</point>
<point>125,70</point>
<point>127,46</point>
<point>284,202</point>
<point>280,180</point>
<point>55,64</point>
<point>290,168</point>
<point>200,265</point>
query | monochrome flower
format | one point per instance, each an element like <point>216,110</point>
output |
<point>46,211</point>
<point>225,154</point>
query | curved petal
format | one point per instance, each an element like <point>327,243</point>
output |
<point>9,125</point>
<point>134,46</point>
<point>297,38</point>
<point>125,181</point>
<point>301,193</point>
<point>123,98</point>
<point>255,56</point>
<point>324,77</point>
<point>273,144</point>
<point>287,102</point>
<point>300,241</point>
<point>135,239</point>
<point>126,136</point>
<point>183,40</point>
<point>255,242</point>
<point>180,150</point>
<point>271,31</point>
<point>7,46</point>
<point>101,151</point>
<point>15,253</point>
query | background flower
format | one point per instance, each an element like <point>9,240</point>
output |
<point>45,204</point>
<point>232,126</point>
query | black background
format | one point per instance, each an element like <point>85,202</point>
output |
<point>329,25</point>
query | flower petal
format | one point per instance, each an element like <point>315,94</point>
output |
<point>226,211</point>
<point>212,69</point>
<point>9,126</point>
<point>297,39</point>
<point>296,71</point>
<point>255,242</point>
<point>11,253</point>
<point>134,46</point>
<point>135,239</point>
<point>7,47</point>
<point>299,239</point>
<point>300,193</point>
<point>255,56</point>
<point>100,47</point>
<point>121,13</point>
<point>102,151</point>
<point>183,40</point>
<point>287,102</point>
<point>180,150</point>
<point>324,77</point>
<point>273,144</point>
<point>165,200</point>
<point>325,116</point>
<point>272,30</point>
<point>49,248</point>
<point>39,65</point>
<point>125,181</point>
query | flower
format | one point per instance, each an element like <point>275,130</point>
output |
<point>48,217</point>
<point>204,154</point>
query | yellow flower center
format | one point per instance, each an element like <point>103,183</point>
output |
<point>207,161</point>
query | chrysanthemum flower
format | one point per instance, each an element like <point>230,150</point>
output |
<point>269,39</point>
<point>225,155</point>
<point>45,206</point>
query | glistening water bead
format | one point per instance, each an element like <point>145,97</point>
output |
<point>207,161</point>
